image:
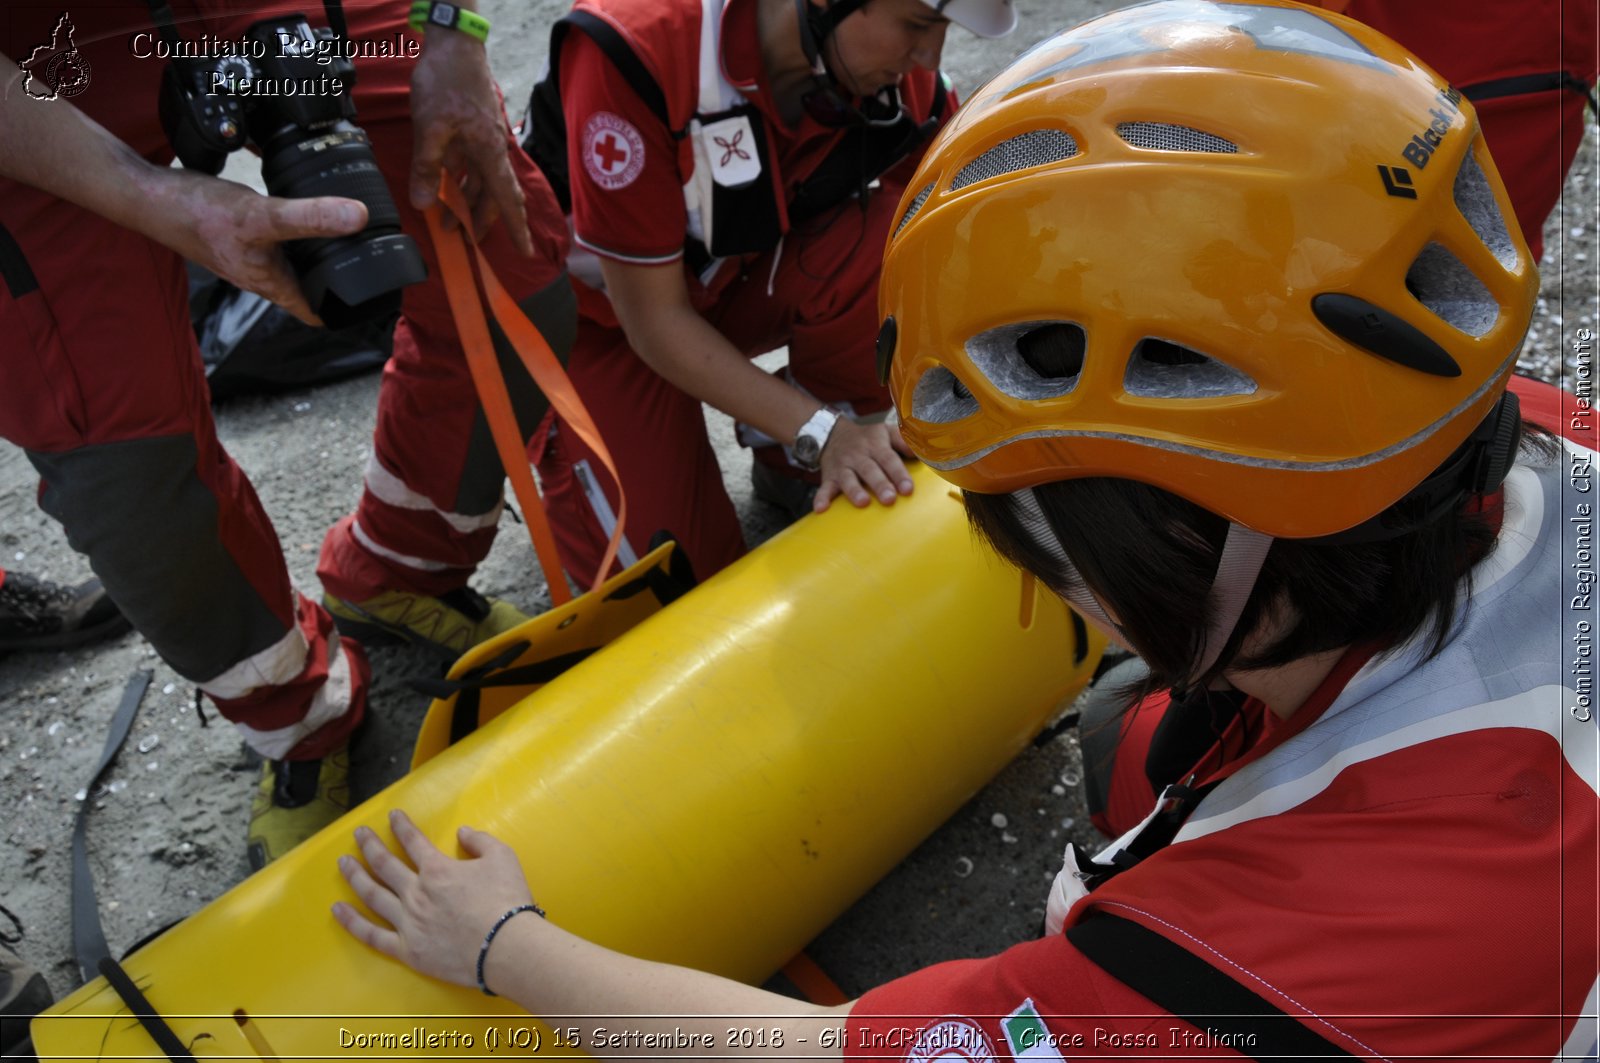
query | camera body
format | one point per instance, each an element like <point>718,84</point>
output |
<point>285,89</point>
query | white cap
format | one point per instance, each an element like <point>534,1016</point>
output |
<point>986,18</point>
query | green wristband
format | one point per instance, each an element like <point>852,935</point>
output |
<point>425,13</point>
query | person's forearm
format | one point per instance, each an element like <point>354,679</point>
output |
<point>436,909</point>
<point>56,147</point>
<point>226,227</point>
<point>577,986</point>
<point>689,352</point>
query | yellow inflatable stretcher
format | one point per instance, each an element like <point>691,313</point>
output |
<point>712,788</point>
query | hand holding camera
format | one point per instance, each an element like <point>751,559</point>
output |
<point>286,91</point>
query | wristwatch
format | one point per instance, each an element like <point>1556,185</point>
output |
<point>425,13</point>
<point>812,437</point>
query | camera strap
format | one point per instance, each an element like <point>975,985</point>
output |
<point>167,26</point>
<point>467,309</point>
<point>161,15</point>
<point>335,13</point>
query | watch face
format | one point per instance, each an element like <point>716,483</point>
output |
<point>806,451</point>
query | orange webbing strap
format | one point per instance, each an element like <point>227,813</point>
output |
<point>462,293</point>
<point>813,981</point>
<point>542,365</point>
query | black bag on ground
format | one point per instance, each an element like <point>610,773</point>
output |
<point>251,346</point>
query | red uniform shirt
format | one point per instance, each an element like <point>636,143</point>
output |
<point>628,171</point>
<point>1372,897</point>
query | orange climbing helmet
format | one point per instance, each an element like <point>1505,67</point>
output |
<point>1251,253</point>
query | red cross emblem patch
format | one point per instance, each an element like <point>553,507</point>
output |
<point>613,150</point>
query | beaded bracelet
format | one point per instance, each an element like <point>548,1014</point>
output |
<point>488,939</point>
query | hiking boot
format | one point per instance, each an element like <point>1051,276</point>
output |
<point>294,800</point>
<point>36,614</point>
<point>789,493</point>
<point>450,624</point>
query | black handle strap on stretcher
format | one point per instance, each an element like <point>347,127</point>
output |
<point>1196,992</point>
<point>89,946</point>
<point>667,585</point>
<point>88,939</point>
<point>142,1010</point>
<point>496,672</point>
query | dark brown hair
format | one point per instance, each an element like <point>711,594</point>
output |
<point>1150,556</point>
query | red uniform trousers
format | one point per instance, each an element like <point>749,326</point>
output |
<point>104,389</point>
<point>821,299</point>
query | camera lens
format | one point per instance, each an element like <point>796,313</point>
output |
<point>353,278</point>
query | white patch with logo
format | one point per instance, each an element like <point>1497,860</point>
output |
<point>730,147</point>
<point>952,1040</point>
<point>613,150</point>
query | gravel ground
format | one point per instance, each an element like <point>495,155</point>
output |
<point>167,829</point>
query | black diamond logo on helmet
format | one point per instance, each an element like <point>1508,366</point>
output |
<point>1397,181</point>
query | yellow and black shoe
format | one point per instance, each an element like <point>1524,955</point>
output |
<point>450,624</point>
<point>294,800</point>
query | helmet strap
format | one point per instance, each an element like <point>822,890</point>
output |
<point>825,100</point>
<point>1244,551</point>
<point>1025,505</point>
<point>818,23</point>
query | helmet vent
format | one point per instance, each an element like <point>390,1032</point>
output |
<point>1442,282</point>
<point>1163,136</point>
<point>916,205</point>
<point>1030,359</point>
<point>1159,369</point>
<point>941,398</point>
<point>1035,148</point>
<point>1475,200</point>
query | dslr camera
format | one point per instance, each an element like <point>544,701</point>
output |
<point>285,88</point>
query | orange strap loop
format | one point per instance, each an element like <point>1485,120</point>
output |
<point>813,981</point>
<point>465,306</point>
